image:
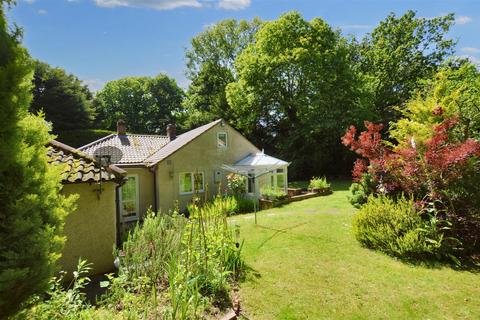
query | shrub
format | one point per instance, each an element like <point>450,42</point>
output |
<point>400,229</point>
<point>443,170</point>
<point>236,184</point>
<point>318,183</point>
<point>245,205</point>
<point>359,191</point>
<point>269,193</point>
<point>61,303</point>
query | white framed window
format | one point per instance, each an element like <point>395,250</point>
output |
<point>190,182</point>
<point>222,140</point>
<point>278,179</point>
<point>129,199</point>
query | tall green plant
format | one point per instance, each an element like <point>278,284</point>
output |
<point>32,210</point>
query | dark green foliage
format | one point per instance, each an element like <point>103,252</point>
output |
<point>31,208</point>
<point>397,228</point>
<point>359,191</point>
<point>66,102</point>
<point>206,100</point>
<point>297,92</point>
<point>146,104</point>
<point>210,61</point>
<point>81,137</point>
<point>64,302</point>
<point>244,204</point>
<point>399,53</point>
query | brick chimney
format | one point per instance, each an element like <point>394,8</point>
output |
<point>121,127</point>
<point>171,132</point>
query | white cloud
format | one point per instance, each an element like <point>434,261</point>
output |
<point>42,11</point>
<point>356,26</point>
<point>463,20</point>
<point>29,1</point>
<point>473,59</point>
<point>94,84</point>
<point>155,4</point>
<point>471,50</point>
<point>172,4</point>
<point>234,4</point>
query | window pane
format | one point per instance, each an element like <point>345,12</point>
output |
<point>129,189</point>
<point>222,140</point>
<point>198,180</point>
<point>129,197</point>
<point>250,183</point>
<point>186,182</point>
<point>280,181</point>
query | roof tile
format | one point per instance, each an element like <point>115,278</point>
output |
<point>80,167</point>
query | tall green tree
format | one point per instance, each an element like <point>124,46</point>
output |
<point>210,67</point>
<point>146,104</point>
<point>32,210</point>
<point>296,92</point>
<point>66,102</point>
<point>399,53</point>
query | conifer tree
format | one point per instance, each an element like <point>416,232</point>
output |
<point>32,209</point>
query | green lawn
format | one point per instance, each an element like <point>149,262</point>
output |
<point>307,265</point>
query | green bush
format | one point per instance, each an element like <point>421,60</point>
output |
<point>269,193</point>
<point>359,191</point>
<point>318,183</point>
<point>397,228</point>
<point>81,137</point>
<point>245,205</point>
<point>63,302</point>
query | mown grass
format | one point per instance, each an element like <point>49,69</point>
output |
<point>306,264</point>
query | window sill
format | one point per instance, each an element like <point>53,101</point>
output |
<point>129,219</point>
<point>190,193</point>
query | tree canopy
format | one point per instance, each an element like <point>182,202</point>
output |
<point>147,104</point>
<point>32,210</point>
<point>66,102</point>
<point>399,53</point>
<point>296,91</point>
<point>210,66</point>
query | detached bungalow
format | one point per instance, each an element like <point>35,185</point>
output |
<point>164,169</point>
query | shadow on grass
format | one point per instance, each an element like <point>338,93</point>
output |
<point>277,232</point>
<point>465,264</point>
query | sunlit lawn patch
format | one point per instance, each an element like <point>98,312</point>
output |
<point>307,265</point>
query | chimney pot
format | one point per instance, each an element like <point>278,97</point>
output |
<point>121,127</point>
<point>171,131</point>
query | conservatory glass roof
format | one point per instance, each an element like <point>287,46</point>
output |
<point>257,164</point>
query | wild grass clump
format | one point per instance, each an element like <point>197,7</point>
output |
<point>60,301</point>
<point>400,228</point>
<point>270,193</point>
<point>318,183</point>
<point>181,268</point>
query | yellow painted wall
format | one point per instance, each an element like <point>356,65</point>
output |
<point>91,229</point>
<point>200,155</point>
<point>145,188</point>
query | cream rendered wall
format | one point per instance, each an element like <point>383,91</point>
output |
<point>200,155</point>
<point>91,229</point>
<point>145,188</point>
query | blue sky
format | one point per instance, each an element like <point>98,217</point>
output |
<point>103,40</point>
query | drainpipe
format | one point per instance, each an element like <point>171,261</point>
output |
<point>155,204</point>
<point>117,214</point>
